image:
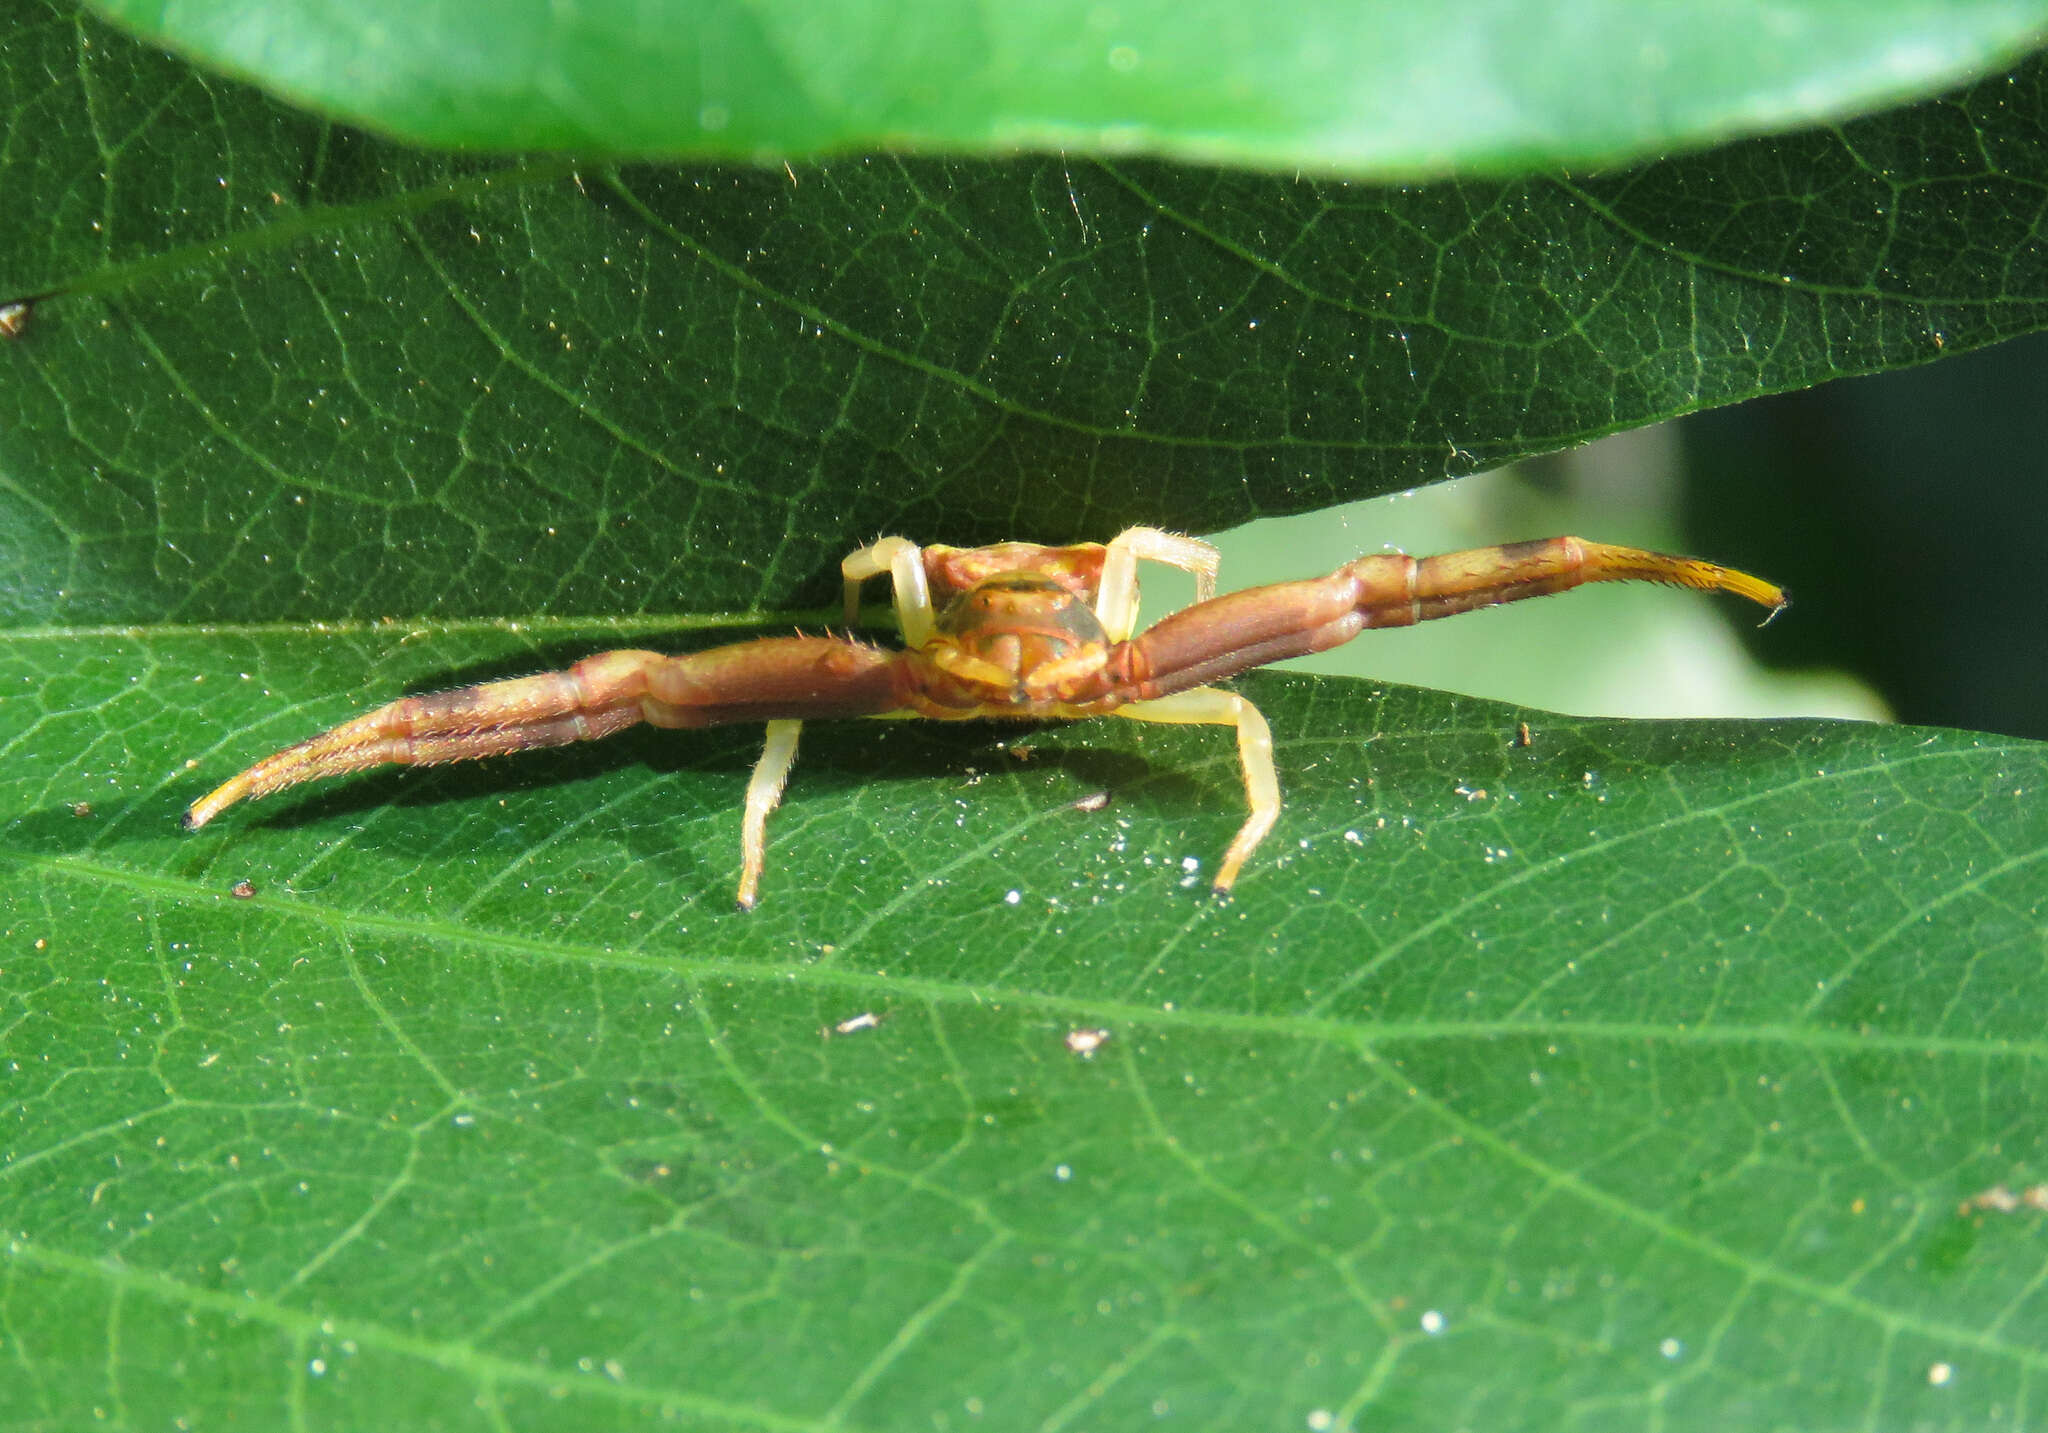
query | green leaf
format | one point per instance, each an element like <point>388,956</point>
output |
<point>1634,1074</point>
<point>1646,1063</point>
<point>283,372</point>
<point>1384,90</point>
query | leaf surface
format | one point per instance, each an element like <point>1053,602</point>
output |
<point>1648,1062</point>
<point>284,372</point>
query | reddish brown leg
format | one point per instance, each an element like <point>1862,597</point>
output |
<point>779,681</point>
<point>593,699</point>
<point>1165,668</point>
<point>1242,630</point>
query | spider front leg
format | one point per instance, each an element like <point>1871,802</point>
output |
<point>1242,630</point>
<point>780,681</point>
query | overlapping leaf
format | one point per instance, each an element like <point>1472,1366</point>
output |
<point>1374,90</point>
<point>293,374</point>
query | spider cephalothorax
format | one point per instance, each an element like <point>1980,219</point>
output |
<point>1016,644</point>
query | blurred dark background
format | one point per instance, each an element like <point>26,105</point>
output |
<point>1905,514</point>
<point>1908,513</point>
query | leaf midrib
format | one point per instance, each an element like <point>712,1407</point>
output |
<point>1353,1035</point>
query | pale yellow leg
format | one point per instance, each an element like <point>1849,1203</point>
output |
<point>764,794</point>
<point>1212,706</point>
<point>903,561</point>
<point>1116,599</point>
